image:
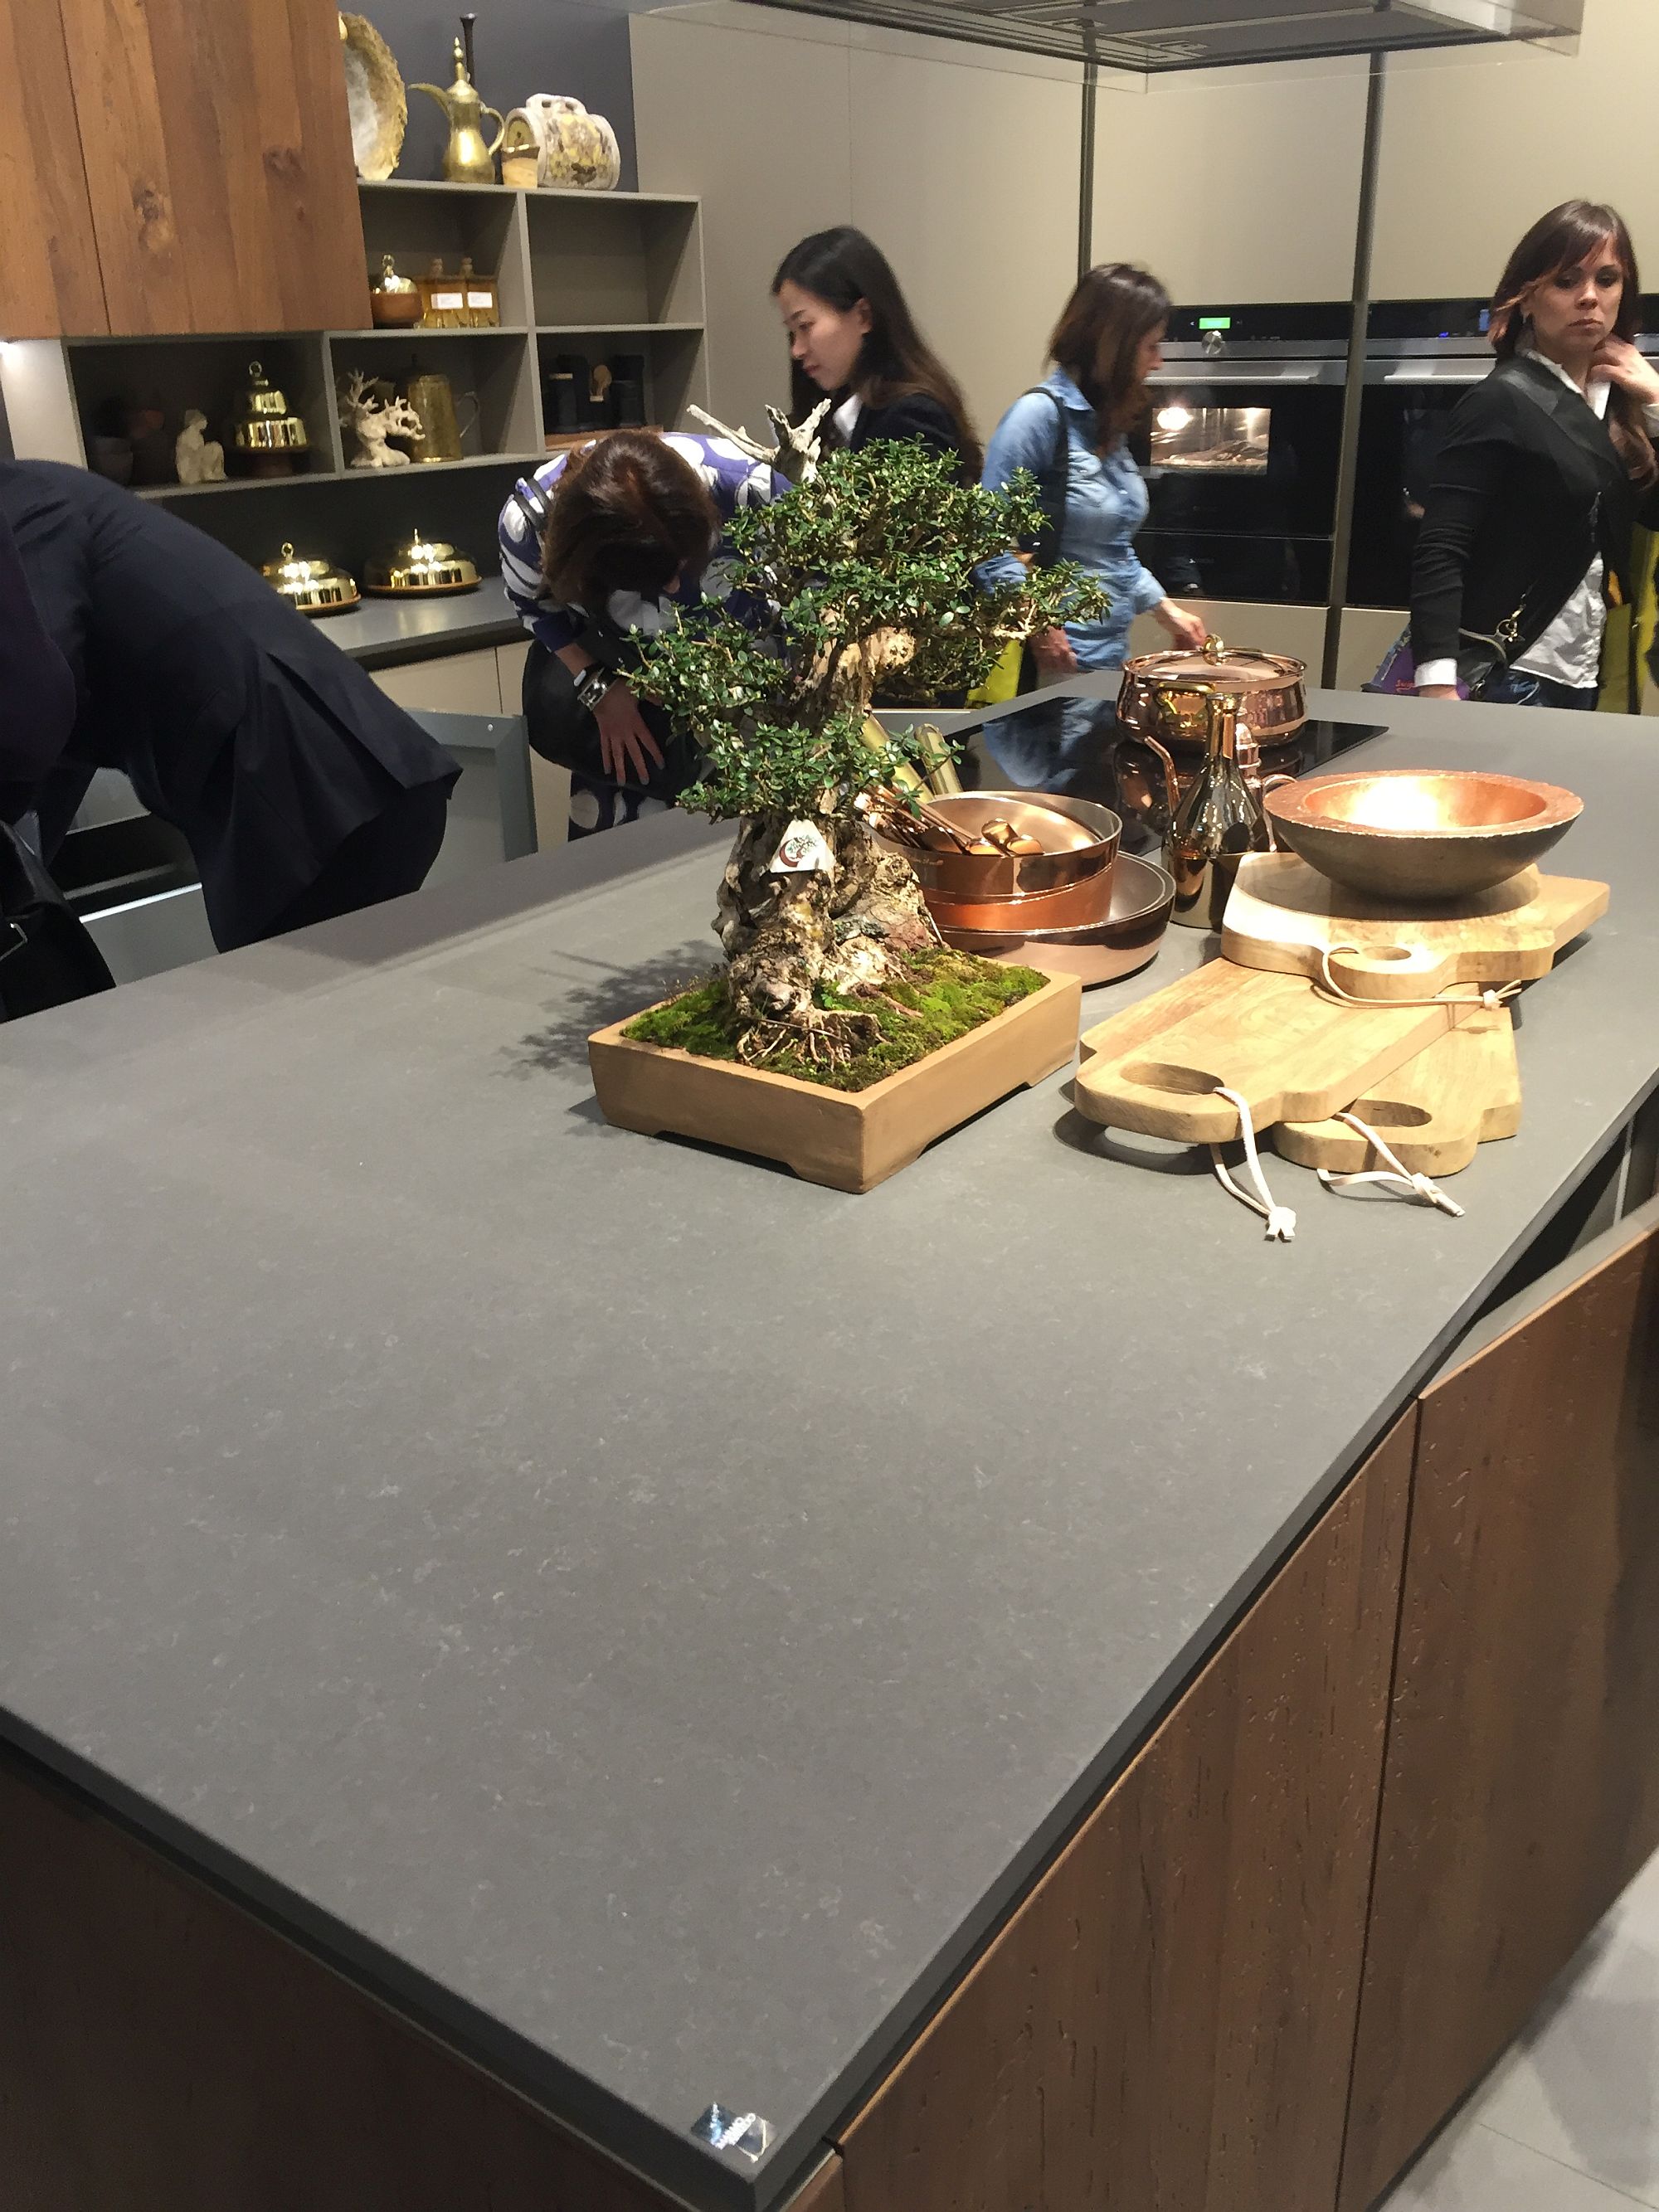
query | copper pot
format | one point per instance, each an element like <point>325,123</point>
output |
<point>1079,839</point>
<point>1164,695</point>
<point>1082,905</point>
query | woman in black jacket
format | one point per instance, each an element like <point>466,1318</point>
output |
<point>852,335</point>
<point>1548,467</point>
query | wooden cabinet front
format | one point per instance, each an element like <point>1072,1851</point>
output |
<point>1166,2023</point>
<point>217,160</point>
<point>1522,1791</point>
<point>49,281</point>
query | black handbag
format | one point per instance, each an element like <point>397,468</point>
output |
<point>47,956</point>
<point>561,730</point>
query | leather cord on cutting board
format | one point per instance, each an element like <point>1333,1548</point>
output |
<point>1280,1219</point>
<point>1488,996</point>
<point>1397,1173</point>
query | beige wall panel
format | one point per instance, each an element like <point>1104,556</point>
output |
<point>1233,184</point>
<point>967,177</point>
<point>1295,629</point>
<point>458,683</point>
<point>757,124</point>
<point>1476,146</point>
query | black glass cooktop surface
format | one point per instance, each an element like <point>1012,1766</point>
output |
<point>1074,746</point>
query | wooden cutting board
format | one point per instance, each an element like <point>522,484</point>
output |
<point>1292,1053</point>
<point>1283,915</point>
<point>1434,1112</point>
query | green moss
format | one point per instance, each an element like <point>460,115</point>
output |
<point>943,995</point>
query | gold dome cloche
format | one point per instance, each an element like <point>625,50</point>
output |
<point>422,569</point>
<point>311,587</point>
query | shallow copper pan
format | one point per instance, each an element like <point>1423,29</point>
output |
<point>1078,838</point>
<point>1143,896</point>
<point>1073,906</point>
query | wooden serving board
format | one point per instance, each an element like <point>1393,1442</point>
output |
<point>1284,915</point>
<point>1294,1054</point>
<point>1434,1112</point>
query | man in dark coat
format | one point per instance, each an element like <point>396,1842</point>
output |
<point>303,792</point>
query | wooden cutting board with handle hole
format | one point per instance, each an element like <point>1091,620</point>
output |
<point>1434,1112</point>
<point>1292,1051</point>
<point>1283,915</point>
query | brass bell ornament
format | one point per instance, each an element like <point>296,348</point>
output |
<point>268,433</point>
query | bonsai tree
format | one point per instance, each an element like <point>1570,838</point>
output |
<point>861,575</point>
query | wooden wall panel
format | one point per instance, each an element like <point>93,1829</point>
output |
<point>50,284</point>
<point>218,159</point>
<point>1521,1790</point>
<point>1165,2025</point>
<point>160,2052</point>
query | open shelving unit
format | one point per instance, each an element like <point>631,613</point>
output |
<point>581,275</point>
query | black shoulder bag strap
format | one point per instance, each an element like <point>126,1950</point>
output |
<point>1054,482</point>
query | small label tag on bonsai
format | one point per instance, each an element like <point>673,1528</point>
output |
<point>802,850</point>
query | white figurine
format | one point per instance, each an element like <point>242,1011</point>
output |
<point>372,423</point>
<point>198,459</point>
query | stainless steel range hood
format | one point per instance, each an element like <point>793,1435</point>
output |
<point>1155,36</point>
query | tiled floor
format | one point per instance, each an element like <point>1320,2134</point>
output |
<point>1569,2120</point>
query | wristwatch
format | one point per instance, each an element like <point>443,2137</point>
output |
<point>595,680</point>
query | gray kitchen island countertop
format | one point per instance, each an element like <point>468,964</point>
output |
<point>644,1615</point>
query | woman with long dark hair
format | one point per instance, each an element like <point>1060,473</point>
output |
<point>1547,468</point>
<point>852,335</point>
<point>1071,434</point>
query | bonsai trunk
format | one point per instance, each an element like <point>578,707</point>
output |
<point>787,935</point>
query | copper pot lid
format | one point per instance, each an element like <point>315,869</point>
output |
<point>422,568</point>
<point>1227,668</point>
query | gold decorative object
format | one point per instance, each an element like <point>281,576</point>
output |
<point>1407,833</point>
<point>374,99</point>
<point>424,569</point>
<point>394,300</point>
<point>269,435</point>
<point>443,299</point>
<point>468,158</point>
<point>522,153</point>
<point>483,297</point>
<point>432,402</point>
<point>311,587</point>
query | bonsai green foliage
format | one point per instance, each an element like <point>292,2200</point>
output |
<point>868,571</point>
<point>939,996</point>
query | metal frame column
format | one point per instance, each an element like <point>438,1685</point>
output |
<point>1348,462</point>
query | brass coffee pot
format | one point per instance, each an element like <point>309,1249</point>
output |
<point>468,158</point>
<point>433,399</point>
<point>1219,817</point>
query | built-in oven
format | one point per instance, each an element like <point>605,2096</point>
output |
<point>1421,356</point>
<point>1240,455</point>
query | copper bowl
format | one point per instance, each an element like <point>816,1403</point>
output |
<point>1429,834</point>
<point>1078,838</point>
<point>1162,695</point>
<point>1143,896</point>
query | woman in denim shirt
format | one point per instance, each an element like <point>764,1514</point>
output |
<point>1108,342</point>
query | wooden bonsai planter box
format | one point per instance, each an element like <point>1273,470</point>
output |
<point>851,1140</point>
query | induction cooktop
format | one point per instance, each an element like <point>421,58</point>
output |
<point>1074,746</point>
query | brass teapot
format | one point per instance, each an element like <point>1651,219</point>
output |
<point>468,158</point>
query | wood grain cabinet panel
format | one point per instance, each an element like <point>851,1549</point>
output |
<point>1522,1788</point>
<point>50,285</point>
<point>218,159</point>
<point>160,2052</point>
<point>1165,2023</point>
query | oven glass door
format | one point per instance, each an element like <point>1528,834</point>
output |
<point>1242,480</point>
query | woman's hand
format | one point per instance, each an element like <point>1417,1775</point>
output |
<point>1185,628</point>
<point>1438,691</point>
<point>1629,368</point>
<point>627,751</point>
<point>1053,649</point>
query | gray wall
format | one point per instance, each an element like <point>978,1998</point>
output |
<point>574,46</point>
